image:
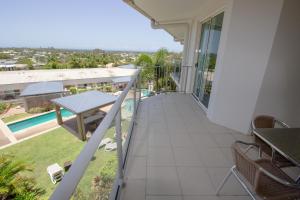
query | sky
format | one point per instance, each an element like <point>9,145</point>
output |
<point>79,24</point>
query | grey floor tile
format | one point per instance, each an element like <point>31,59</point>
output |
<point>139,148</point>
<point>231,187</point>
<point>136,168</point>
<point>163,198</point>
<point>214,157</point>
<point>160,156</point>
<point>180,140</point>
<point>162,181</point>
<point>195,181</point>
<point>187,157</point>
<point>159,140</point>
<point>134,190</point>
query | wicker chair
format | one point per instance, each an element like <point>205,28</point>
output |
<point>261,176</point>
<point>264,121</point>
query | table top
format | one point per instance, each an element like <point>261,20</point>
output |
<point>285,141</point>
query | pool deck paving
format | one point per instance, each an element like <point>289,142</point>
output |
<point>7,138</point>
<point>3,139</point>
<point>6,134</point>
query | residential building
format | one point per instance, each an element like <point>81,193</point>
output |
<point>13,82</point>
<point>240,58</point>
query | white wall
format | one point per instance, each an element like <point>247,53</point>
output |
<point>280,91</point>
<point>242,61</point>
<point>211,8</point>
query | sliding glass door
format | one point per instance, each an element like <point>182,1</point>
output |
<point>207,56</point>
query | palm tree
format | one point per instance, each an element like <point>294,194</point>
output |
<point>13,183</point>
<point>156,69</point>
<point>160,57</point>
<point>147,73</point>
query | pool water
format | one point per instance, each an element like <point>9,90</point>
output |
<point>129,105</point>
<point>145,93</point>
<point>27,123</point>
<point>17,126</point>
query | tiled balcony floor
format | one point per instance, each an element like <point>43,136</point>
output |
<point>176,153</point>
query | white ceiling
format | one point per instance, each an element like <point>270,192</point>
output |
<point>167,10</point>
<point>178,10</point>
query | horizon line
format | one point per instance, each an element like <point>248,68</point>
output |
<point>88,49</point>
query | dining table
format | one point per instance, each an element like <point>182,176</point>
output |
<point>285,141</point>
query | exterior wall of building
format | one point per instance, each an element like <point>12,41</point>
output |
<point>39,101</point>
<point>279,94</point>
<point>248,31</point>
<point>243,61</point>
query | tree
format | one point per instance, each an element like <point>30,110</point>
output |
<point>26,61</point>
<point>4,56</point>
<point>75,62</point>
<point>147,73</point>
<point>13,183</point>
<point>53,62</point>
<point>160,57</point>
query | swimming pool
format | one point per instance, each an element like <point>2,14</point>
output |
<point>129,105</point>
<point>145,93</point>
<point>27,123</point>
<point>17,126</point>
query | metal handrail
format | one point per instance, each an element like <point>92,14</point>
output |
<point>70,181</point>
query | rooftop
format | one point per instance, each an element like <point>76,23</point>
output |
<point>124,79</point>
<point>43,88</point>
<point>86,101</point>
<point>32,76</point>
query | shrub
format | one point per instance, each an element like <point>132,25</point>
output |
<point>108,88</point>
<point>73,90</point>
<point>36,110</point>
<point>101,185</point>
<point>3,107</point>
<point>13,184</point>
<point>80,90</point>
<point>45,108</point>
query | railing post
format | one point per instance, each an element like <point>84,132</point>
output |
<point>118,128</point>
<point>134,98</point>
<point>140,86</point>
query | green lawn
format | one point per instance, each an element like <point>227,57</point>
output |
<point>15,117</point>
<point>57,146</point>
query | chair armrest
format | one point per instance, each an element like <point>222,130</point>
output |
<point>252,126</point>
<point>250,145</point>
<point>281,123</point>
<point>247,143</point>
<point>279,180</point>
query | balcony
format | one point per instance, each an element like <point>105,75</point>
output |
<point>170,150</point>
<point>177,153</point>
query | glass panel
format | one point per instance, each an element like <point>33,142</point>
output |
<point>198,86</point>
<point>98,179</point>
<point>211,56</point>
<point>127,111</point>
<point>208,48</point>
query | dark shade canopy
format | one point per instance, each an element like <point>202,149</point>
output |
<point>43,88</point>
<point>85,101</point>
